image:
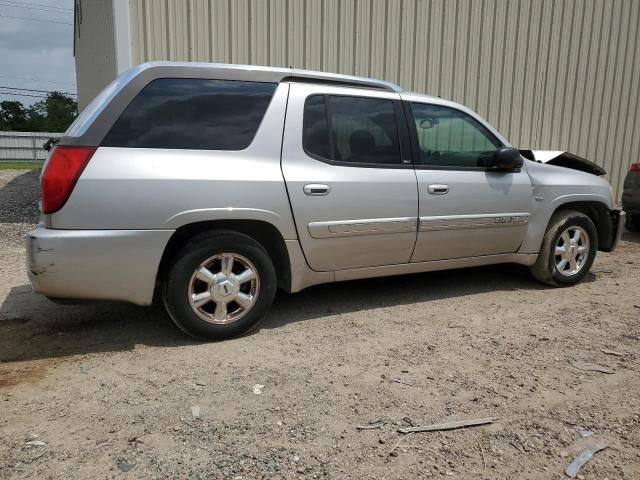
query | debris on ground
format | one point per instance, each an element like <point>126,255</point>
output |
<point>449,426</point>
<point>195,411</point>
<point>410,383</point>
<point>574,467</point>
<point>36,443</point>
<point>124,465</point>
<point>393,452</point>
<point>257,388</point>
<point>592,367</point>
<point>408,421</point>
<point>612,352</point>
<point>371,426</point>
<point>584,433</point>
<point>184,420</point>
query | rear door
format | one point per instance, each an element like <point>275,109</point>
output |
<point>347,165</point>
<point>466,210</point>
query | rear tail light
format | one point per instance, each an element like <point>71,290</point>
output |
<point>61,174</point>
<point>635,167</point>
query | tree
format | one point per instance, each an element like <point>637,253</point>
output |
<point>53,114</point>
<point>13,116</point>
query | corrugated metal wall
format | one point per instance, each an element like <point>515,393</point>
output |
<point>549,74</point>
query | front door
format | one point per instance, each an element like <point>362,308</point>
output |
<point>465,209</point>
<point>348,172</point>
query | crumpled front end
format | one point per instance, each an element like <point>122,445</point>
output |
<point>563,159</point>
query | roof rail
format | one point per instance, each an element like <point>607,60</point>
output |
<point>257,73</point>
<point>336,78</point>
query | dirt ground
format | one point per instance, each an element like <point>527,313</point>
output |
<point>106,390</point>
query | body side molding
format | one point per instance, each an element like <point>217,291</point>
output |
<point>454,222</point>
<point>373,226</point>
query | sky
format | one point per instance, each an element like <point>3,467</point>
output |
<point>36,53</point>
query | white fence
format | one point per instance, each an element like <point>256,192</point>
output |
<point>24,145</point>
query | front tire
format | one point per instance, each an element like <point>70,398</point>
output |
<point>568,249</point>
<point>220,285</point>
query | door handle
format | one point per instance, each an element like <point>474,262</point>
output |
<point>316,189</point>
<point>438,189</point>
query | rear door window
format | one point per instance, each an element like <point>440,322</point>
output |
<point>188,113</point>
<point>351,130</point>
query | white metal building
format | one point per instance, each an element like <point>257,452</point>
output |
<point>549,74</point>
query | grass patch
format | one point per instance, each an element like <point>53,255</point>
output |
<point>20,165</point>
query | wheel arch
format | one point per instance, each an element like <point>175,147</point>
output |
<point>596,207</point>
<point>599,214</point>
<point>263,232</point>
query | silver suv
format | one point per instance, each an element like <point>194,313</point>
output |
<point>214,185</point>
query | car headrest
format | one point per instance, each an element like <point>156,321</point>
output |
<point>362,142</point>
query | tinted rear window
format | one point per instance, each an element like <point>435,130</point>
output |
<point>351,129</point>
<point>192,114</point>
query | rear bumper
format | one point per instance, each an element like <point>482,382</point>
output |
<point>95,264</point>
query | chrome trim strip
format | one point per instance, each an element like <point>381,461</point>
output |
<point>350,228</point>
<point>455,222</point>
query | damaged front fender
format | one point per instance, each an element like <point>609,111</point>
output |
<point>563,159</point>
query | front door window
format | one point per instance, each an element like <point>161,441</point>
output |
<point>449,138</point>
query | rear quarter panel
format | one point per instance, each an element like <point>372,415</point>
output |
<point>142,188</point>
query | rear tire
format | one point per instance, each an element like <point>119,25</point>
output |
<point>220,285</point>
<point>568,249</point>
<point>632,223</point>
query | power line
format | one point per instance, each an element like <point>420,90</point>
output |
<point>36,90</point>
<point>22,95</point>
<point>29,4</point>
<point>20,77</point>
<point>39,5</point>
<point>63,12</point>
<point>36,20</point>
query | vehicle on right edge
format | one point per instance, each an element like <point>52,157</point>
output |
<point>631,198</point>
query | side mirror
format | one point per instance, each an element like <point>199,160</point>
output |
<point>506,159</point>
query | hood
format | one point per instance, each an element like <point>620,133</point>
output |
<point>563,159</point>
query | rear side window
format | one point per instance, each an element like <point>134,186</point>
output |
<point>196,114</point>
<point>351,129</point>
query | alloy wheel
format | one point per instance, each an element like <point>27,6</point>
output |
<point>224,288</point>
<point>572,251</point>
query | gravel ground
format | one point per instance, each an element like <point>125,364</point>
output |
<point>106,390</point>
<point>19,195</point>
